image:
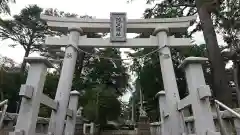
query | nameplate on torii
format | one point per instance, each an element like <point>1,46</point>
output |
<point>118,28</point>
<point>130,43</point>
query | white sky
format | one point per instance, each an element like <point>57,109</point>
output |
<point>96,8</point>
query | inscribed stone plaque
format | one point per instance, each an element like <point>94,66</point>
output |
<point>118,27</point>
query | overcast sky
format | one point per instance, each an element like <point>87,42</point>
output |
<point>96,8</point>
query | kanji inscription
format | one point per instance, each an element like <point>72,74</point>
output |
<point>118,27</point>
<point>69,55</point>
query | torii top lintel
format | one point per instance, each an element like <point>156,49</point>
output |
<point>179,24</point>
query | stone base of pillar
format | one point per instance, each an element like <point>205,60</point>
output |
<point>143,126</point>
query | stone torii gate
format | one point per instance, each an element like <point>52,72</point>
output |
<point>118,26</point>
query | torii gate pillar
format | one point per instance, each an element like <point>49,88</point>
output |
<point>57,121</point>
<point>172,115</point>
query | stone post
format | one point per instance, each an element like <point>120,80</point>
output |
<point>237,125</point>
<point>91,128</point>
<point>170,85</point>
<point>71,122</point>
<point>163,111</point>
<point>31,95</point>
<point>133,112</point>
<point>143,125</point>
<point>199,93</point>
<point>56,124</point>
<point>79,111</point>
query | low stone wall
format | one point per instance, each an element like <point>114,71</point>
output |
<point>2,132</point>
<point>155,128</point>
<point>41,127</point>
<point>119,132</point>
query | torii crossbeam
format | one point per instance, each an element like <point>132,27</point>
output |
<point>179,24</point>
<point>130,43</point>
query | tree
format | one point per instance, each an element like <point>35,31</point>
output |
<point>220,82</point>
<point>107,71</point>
<point>172,8</point>
<point>99,101</point>
<point>10,82</point>
<point>227,22</point>
<point>105,81</point>
<point>26,29</point>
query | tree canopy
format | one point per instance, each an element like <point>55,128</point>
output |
<point>26,29</point>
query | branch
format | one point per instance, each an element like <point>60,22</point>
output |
<point>182,10</point>
<point>177,5</point>
<point>189,13</point>
<point>24,47</point>
<point>154,7</point>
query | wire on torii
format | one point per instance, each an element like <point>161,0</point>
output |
<point>109,58</point>
<point>117,59</point>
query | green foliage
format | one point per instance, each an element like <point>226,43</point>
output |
<point>26,29</point>
<point>169,9</point>
<point>57,13</point>
<point>51,84</point>
<point>105,71</point>
<point>227,22</point>
<point>102,82</point>
<point>10,82</point>
<point>101,104</point>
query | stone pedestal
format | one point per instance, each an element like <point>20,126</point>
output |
<point>143,126</point>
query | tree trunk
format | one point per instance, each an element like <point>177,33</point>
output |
<point>79,65</point>
<point>220,83</point>
<point>236,81</point>
<point>22,71</point>
<point>1,95</point>
<point>1,84</point>
<point>23,67</point>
